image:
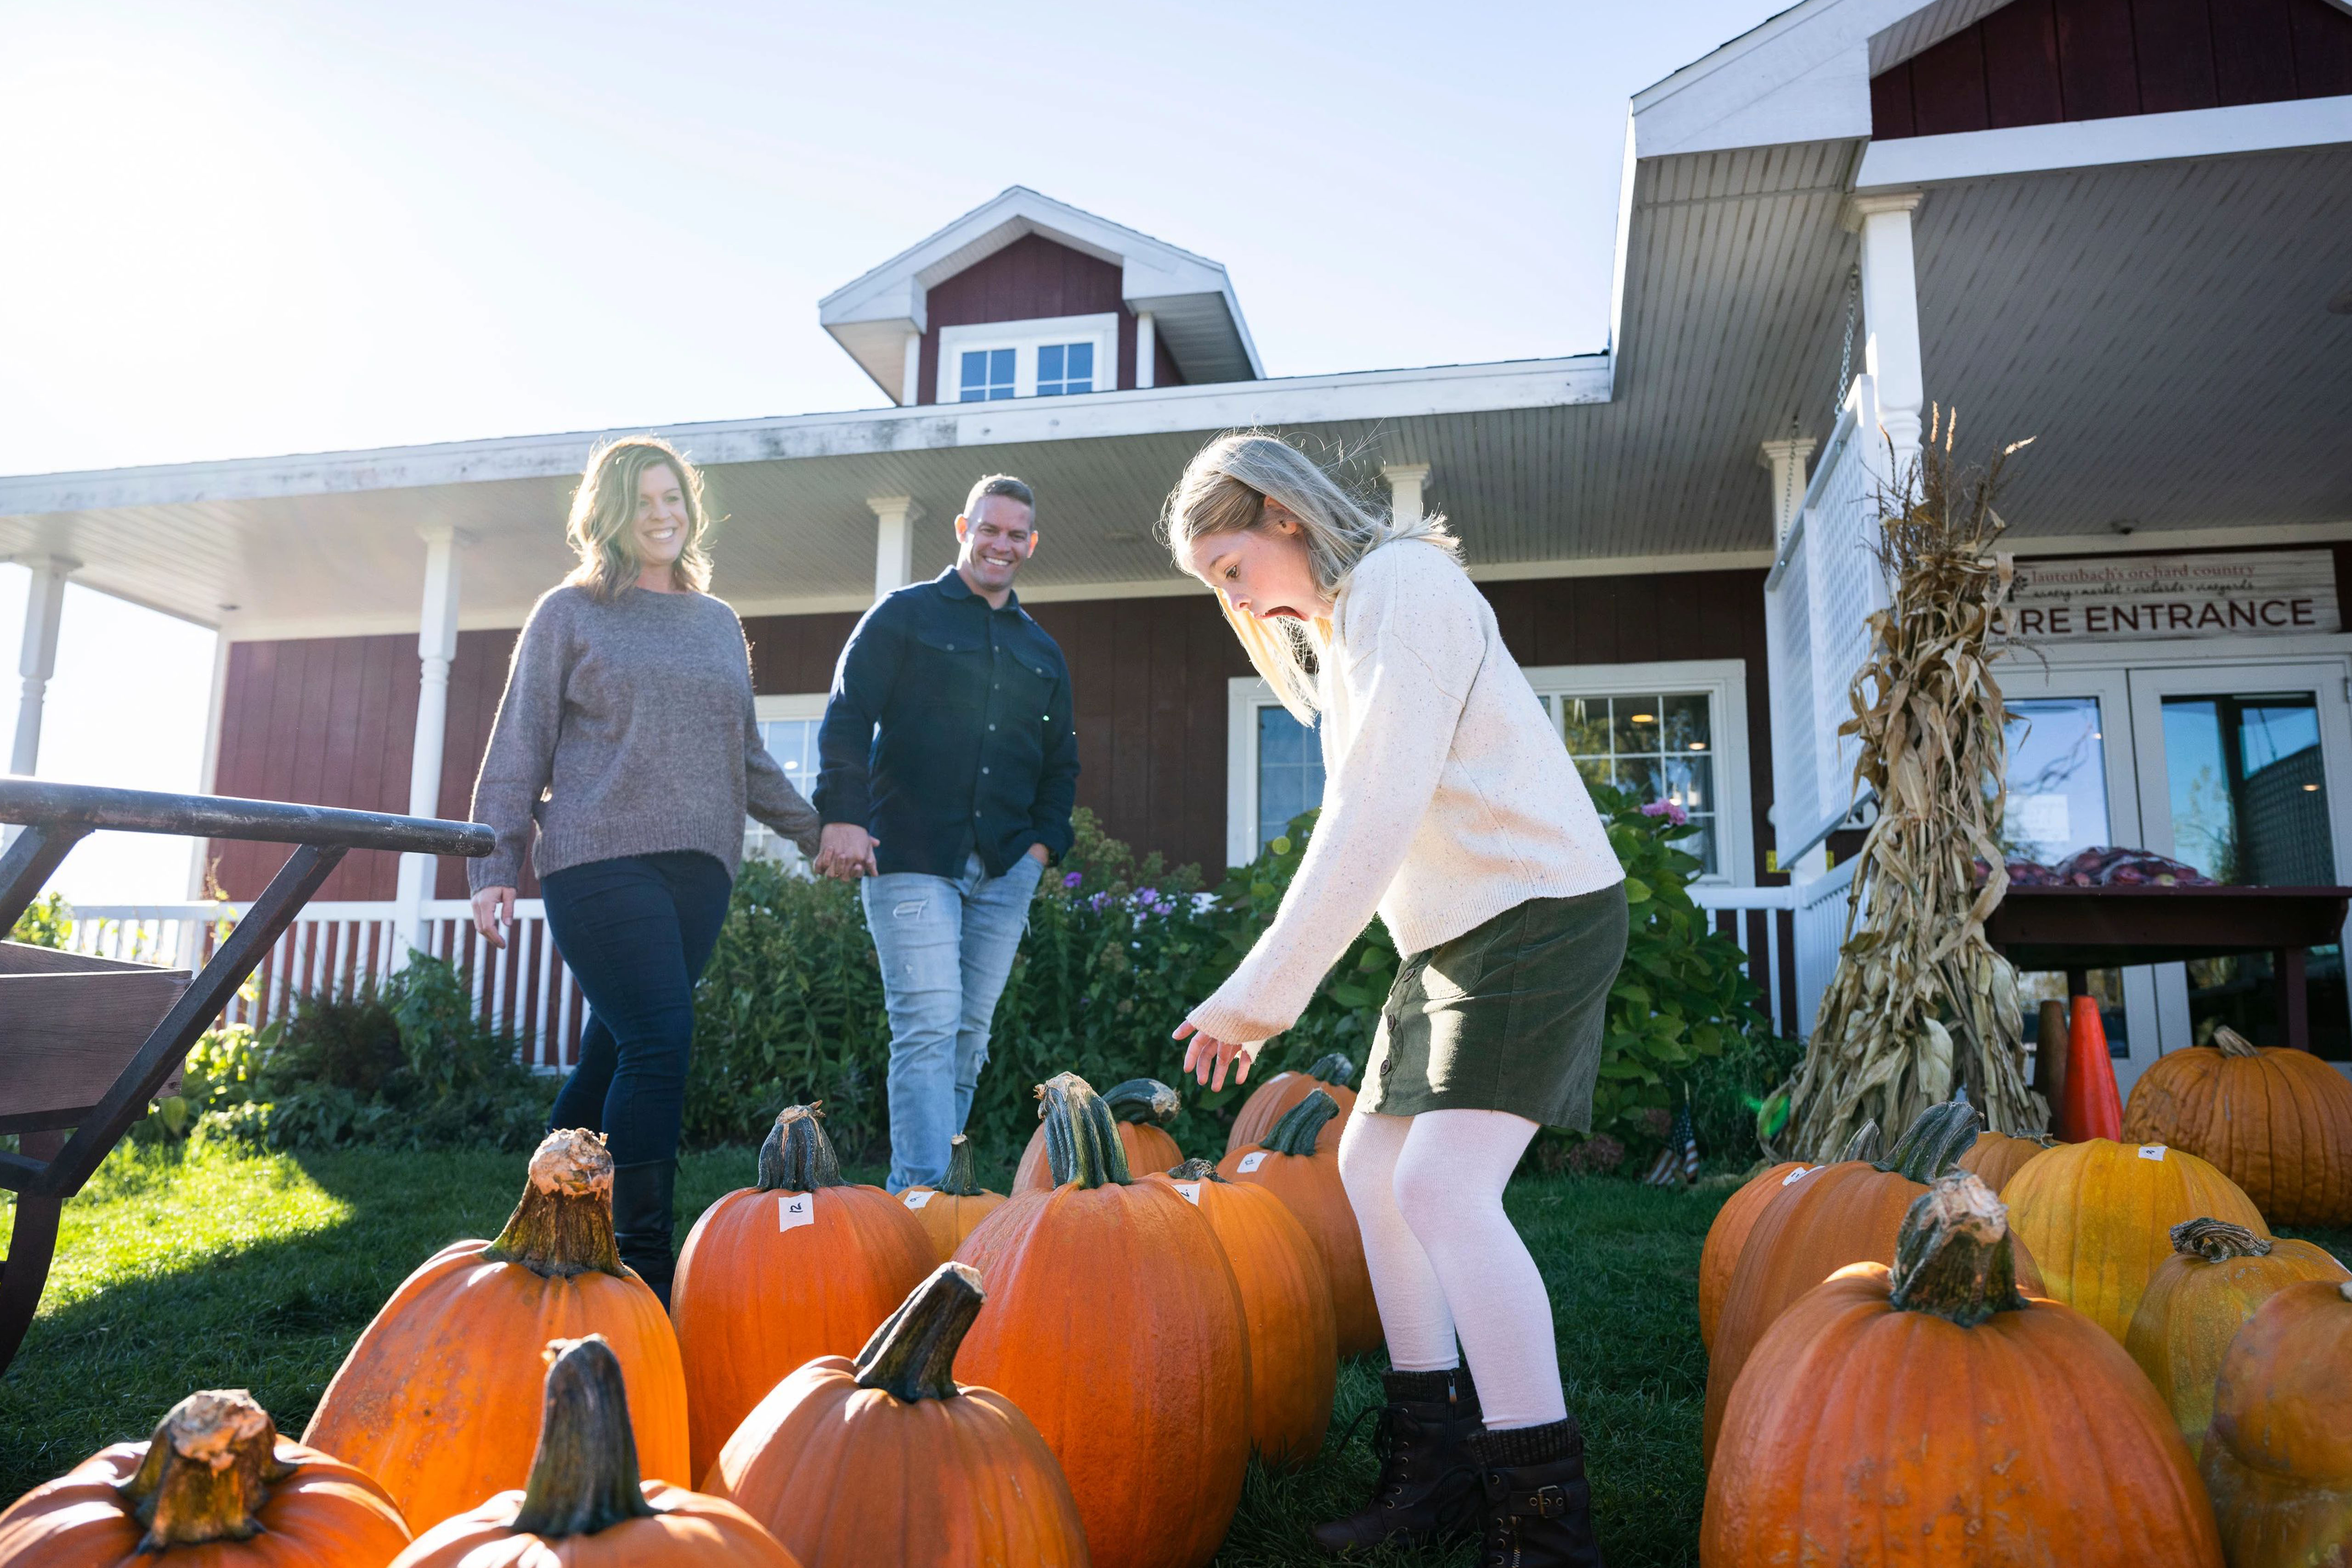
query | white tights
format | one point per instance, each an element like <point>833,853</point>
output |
<point>1428,1194</point>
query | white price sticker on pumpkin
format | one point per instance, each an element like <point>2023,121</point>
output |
<point>1800,1171</point>
<point>919,1196</point>
<point>1190,1192</point>
<point>1251,1162</point>
<point>2151,1151</point>
<point>794,1210</point>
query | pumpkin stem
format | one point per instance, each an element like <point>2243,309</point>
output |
<point>1335,1069</point>
<point>1865,1144</point>
<point>1295,1133</point>
<point>1195,1171</point>
<point>208,1469</point>
<point>2233,1044</point>
<point>797,1156</point>
<point>1141,1101</point>
<point>584,1477</point>
<point>959,1181</point>
<point>2215,1240</point>
<point>912,1355</point>
<point>1081,1140</point>
<point>1934,1143</point>
<point>1953,1256</point>
<point>563,1224</point>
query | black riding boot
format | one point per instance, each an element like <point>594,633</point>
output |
<point>1429,1474</point>
<point>642,1219</point>
<point>1538,1508</point>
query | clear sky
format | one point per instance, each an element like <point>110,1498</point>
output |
<point>251,229</point>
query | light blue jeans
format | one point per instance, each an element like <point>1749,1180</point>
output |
<point>947,946</point>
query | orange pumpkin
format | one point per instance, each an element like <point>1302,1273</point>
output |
<point>1933,1414</point>
<point>1728,1232</point>
<point>1143,1106</point>
<point>440,1398</point>
<point>888,1462</point>
<point>800,1264</point>
<point>2278,1122</point>
<point>1846,1212</point>
<point>2278,1458</point>
<point>1998,1156</point>
<point>216,1486</point>
<point>586,1506</point>
<point>1294,1165</point>
<point>2199,1298</point>
<point>1114,1320</point>
<point>947,1212</point>
<point>1271,1100</point>
<point>2098,1217</point>
<point>1287,1297</point>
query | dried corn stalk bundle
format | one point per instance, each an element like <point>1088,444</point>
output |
<point>1919,1003</point>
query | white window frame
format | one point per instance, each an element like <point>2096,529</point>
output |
<point>1024,339</point>
<point>1723,682</point>
<point>793,705</point>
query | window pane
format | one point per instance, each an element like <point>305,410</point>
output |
<point>1689,782</point>
<point>1049,364</point>
<point>1587,726</point>
<point>2057,779</point>
<point>1640,777</point>
<point>1596,770</point>
<point>1000,367</point>
<point>1082,361</point>
<point>974,381</point>
<point>1685,724</point>
<point>1636,729</point>
<point>1289,771</point>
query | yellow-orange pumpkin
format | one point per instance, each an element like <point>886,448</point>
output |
<point>2278,1458</point>
<point>800,1264</point>
<point>888,1462</point>
<point>215,1486</point>
<point>1998,1156</point>
<point>1271,1101</point>
<point>1294,1164</point>
<point>586,1506</point>
<point>1728,1232</point>
<point>2278,1122</point>
<point>1143,1106</point>
<point>947,1212</point>
<point>440,1398</point>
<point>1932,1414</point>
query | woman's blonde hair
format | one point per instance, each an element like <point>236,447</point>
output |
<point>1225,490</point>
<point>602,527</point>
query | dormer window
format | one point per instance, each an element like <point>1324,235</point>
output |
<point>1060,356</point>
<point>987,374</point>
<point>1064,368</point>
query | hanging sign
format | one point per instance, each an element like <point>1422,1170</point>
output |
<point>2110,598</point>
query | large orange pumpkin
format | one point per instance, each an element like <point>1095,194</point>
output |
<point>1998,1156</point>
<point>1114,1320</point>
<point>2278,1122</point>
<point>2199,1298</point>
<point>215,1486</point>
<point>2098,1217</point>
<point>888,1462</point>
<point>1933,1414</point>
<point>947,1212</point>
<point>1728,1232</point>
<point>1271,1100</point>
<point>1143,1106</point>
<point>800,1264</point>
<point>1287,1297</point>
<point>2278,1458</point>
<point>440,1398</point>
<point>1296,1166</point>
<point>586,1505</point>
<point>1846,1212</point>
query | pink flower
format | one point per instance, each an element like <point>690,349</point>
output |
<point>1667,809</point>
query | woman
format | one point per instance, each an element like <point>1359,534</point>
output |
<point>627,734</point>
<point>1452,809</point>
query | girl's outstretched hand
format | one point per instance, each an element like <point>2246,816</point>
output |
<point>1206,1053</point>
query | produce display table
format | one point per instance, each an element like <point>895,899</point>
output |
<point>2082,928</point>
<point>87,1043</point>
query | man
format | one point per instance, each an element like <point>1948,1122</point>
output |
<point>947,771</point>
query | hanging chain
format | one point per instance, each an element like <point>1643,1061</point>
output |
<point>1846,355</point>
<point>1789,487</point>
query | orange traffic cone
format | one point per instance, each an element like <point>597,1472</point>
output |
<point>2092,1108</point>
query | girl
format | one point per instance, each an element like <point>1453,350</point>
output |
<point>1452,809</point>
<point>627,734</point>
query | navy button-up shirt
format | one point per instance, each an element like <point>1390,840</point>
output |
<point>948,733</point>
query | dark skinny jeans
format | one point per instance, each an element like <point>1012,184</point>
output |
<point>637,932</point>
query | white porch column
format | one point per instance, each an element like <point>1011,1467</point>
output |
<point>44,603</point>
<point>1406,481</point>
<point>910,379</point>
<point>1147,349</point>
<point>1787,460</point>
<point>1890,310</point>
<point>437,645</point>
<point>894,541</point>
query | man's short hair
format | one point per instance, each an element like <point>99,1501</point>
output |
<point>1000,484</point>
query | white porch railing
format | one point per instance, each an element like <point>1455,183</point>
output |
<point>1790,935</point>
<point>336,948</point>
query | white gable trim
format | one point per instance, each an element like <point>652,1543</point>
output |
<point>1914,161</point>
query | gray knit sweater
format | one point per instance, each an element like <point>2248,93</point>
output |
<point>627,729</point>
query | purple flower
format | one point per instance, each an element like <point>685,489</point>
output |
<point>1074,878</point>
<point>1667,809</point>
<point>1097,901</point>
<point>1146,895</point>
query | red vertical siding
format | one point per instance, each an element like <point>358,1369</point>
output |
<point>1030,278</point>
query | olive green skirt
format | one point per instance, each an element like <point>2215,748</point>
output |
<point>1506,1016</point>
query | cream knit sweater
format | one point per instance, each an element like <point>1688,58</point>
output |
<point>1448,796</point>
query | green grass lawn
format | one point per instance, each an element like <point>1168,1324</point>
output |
<point>225,1270</point>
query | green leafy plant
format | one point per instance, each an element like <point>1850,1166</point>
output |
<point>47,921</point>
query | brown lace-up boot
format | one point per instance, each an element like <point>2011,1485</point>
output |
<point>1428,1484</point>
<point>1539,1509</point>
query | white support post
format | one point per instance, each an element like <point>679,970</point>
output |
<point>1147,349</point>
<point>44,603</point>
<point>1406,482</point>
<point>1787,461</point>
<point>437,645</point>
<point>910,378</point>
<point>894,541</point>
<point>1890,310</point>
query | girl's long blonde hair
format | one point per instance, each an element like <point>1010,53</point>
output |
<point>603,526</point>
<point>1225,490</point>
